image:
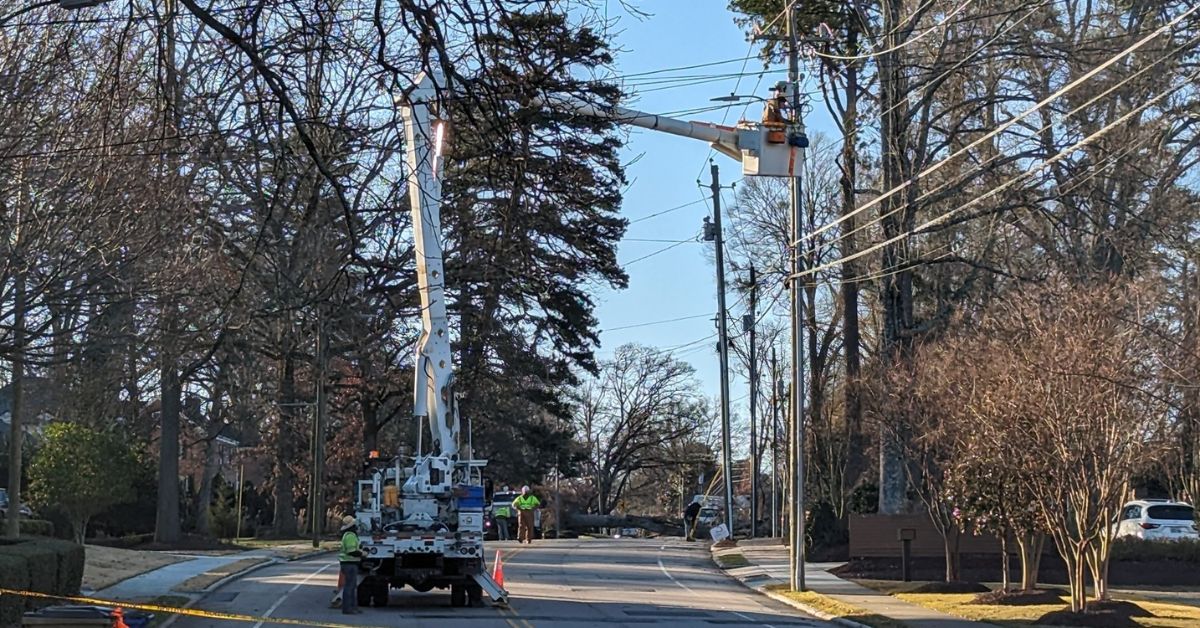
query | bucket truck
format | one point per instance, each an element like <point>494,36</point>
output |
<point>423,516</point>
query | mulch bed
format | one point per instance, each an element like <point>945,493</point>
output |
<point>1035,597</point>
<point>984,568</point>
<point>951,587</point>
<point>1109,614</point>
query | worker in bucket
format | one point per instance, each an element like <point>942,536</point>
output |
<point>525,504</point>
<point>348,557</point>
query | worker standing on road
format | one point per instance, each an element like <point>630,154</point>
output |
<point>689,519</point>
<point>501,512</point>
<point>349,557</point>
<point>526,503</point>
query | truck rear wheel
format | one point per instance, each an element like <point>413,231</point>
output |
<point>458,595</point>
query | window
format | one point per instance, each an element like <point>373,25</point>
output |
<point>1131,512</point>
<point>1172,513</point>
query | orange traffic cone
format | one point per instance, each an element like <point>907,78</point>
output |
<point>119,619</point>
<point>498,571</point>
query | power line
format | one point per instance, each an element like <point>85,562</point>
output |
<point>658,252</point>
<point>663,212</point>
<point>662,322</point>
<point>906,43</point>
<point>1049,162</point>
<point>1003,127</point>
<point>979,167</point>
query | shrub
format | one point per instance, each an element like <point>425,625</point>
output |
<point>13,575</point>
<point>1128,549</point>
<point>45,566</point>
<point>41,567</point>
<point>70,565</point>
<point>33,527</point>
<point>864,499</point>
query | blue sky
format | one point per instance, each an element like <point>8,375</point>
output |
<point>663,169</point>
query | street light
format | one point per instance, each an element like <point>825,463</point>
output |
<point>735,98</point>
<point>66,4</point>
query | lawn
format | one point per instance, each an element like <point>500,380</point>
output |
<point>1158,615</point>
<point>106,566</point>
<point>732,560</point>
<point>836,608</point>
<point>197,584</point>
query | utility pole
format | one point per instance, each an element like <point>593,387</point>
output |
<point>714,235</point>
<point>775,386</point>
<point>317,496</point>
<point>796,481</point>
<point>754,463</point>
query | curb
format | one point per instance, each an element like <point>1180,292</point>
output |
<point>200,595</point>
<point>312,554</point>
<point>800,606</point>
<point>848,623</point>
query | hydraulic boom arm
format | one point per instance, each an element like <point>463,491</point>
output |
<point>434,385</point>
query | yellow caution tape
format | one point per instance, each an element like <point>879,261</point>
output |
<point>192,612</point>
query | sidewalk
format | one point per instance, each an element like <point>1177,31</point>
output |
<point>768,565</point>
<point>164,580</point>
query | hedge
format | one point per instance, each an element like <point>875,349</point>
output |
<point>43,565</point>
<point>1127,549</point>
<point>13,575</point>
<point>34,527</point>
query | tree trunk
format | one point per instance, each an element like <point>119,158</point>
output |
<point>204,495</point>
<point>285,516</point>
<point>1098,565</point>
<point>851,337</point>
<point>950,544</point>
<point>166,525</point>
<point>80,529</point>
<point>16,432</point>
<point>1005,583</point>
<point>1030,546</point>
<point>896,288</point>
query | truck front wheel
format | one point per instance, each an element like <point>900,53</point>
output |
<point>379,594</point>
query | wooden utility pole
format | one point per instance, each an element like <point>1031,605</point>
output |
<point>723,350</point>
<point>796,455</point>
<point>754,462</point>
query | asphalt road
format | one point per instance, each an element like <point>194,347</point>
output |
<point>559,584</point>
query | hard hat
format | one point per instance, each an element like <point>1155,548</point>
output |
<point>348,522</point>
<point>525,488</point>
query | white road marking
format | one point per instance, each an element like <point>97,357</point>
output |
<point>292,590</point>
<point>663,568</point>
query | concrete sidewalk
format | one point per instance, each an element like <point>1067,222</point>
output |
<point>769,566</point>
<point>164,580</point>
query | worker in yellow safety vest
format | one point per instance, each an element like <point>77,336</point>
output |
<point>501,511</point>
<point>349,556</point>
<point>525,503</point>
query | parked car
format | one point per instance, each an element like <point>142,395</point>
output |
<point>1157,520</point>
<point>25,510</point>
<point>708,517</point>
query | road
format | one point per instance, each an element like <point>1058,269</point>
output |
<point>559,584</point>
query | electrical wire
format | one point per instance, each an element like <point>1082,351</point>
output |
<point>979,167</point>
<point>1049,162</point>
<point>658,252</point>
<point>1003,127</point>
<point>662,322</point>
<point>900,46</point>
<point>664,212</point>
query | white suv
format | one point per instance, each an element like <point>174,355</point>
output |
<point>1158,520</point>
